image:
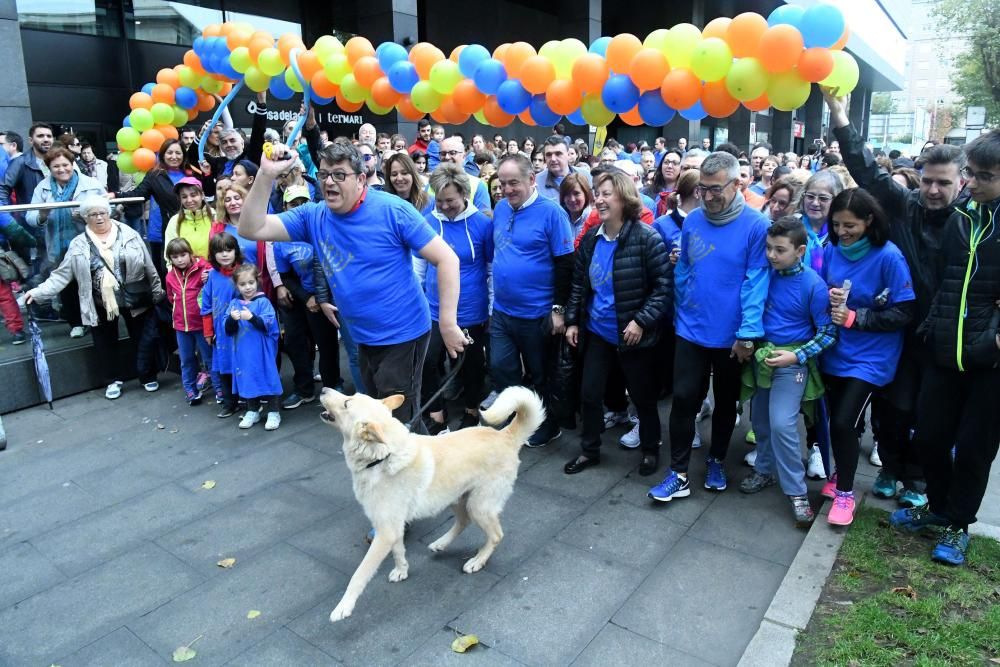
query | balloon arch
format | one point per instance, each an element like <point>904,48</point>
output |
<point>750,60</point>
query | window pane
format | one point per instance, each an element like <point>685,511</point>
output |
<point>169,22</point>
<point>85,17</point>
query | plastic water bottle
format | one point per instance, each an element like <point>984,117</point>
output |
<point>847,292</point>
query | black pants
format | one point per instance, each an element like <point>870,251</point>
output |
<point>395,369</point>
<point>141,329</point>
<point>693,365</point>
<point>847,399</point>
<point>303,329</point>
<point>599,359</point>
<point>229,399</point>
<point>665,359</point>
<point>958,409</point>
<point>615,387</point>
<point>70,310</point>
<point>896,408</point>
<point>472,374</point>
<point>263,404</point>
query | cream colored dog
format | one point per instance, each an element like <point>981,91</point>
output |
<point>400,477</point>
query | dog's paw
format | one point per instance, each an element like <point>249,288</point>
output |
<point>439,544</point>
<point>399,574</point>
<point>474,564</point>
<point>342,611</point>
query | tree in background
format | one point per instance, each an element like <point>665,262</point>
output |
<point>977,70</point>
<point>883,103</point>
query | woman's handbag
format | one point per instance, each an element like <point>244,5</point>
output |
<point>135,295</point>
<point>12,267</point>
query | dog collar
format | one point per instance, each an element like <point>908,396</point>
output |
<point>375,463</point>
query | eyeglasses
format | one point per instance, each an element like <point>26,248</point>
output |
<point>451,153</point>
<point>367,157</point>
<point>672,163</point>
<point>813,197</point>
<point>980,176</point>
<point>714,190</point>
<point>97,214</point>
<point>338,176</point>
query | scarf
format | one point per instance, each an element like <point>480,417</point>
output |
<point>856,250</point>
<point>728,214</point>
<point>88,167</point>
<point>663,202</point>
<point>60,228</point>
<point>109,284</point>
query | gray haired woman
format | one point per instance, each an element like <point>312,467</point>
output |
<point>116,278</point>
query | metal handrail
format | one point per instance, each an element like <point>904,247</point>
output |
<point>48,206</point>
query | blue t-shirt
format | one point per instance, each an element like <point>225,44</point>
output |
<point>255,370</point>
<point>879,280</point>
<point>365,255</point>
<point>603,319</point>
<point>715,260</point>
<point>669,230</point>
<point>471,237</point>
<point>526,243</point>
<point>297,257</point>
<point>154,231</point>
<point>247,247</point>
<point>796,307</point>
<point>218,291</point>
<point>648,202</point>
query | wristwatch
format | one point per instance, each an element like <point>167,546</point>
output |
<point>559,310</point>
<point>748,344</point>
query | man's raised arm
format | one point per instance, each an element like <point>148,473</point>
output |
<point>255,223</point>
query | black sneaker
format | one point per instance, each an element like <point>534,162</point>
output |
<point>19,338</point>
<point>194,399</point>
<point>294,400</point>
<point>227,411</point>
<point>469,420</point>
<point>436,428</point>
<point>543,436</point>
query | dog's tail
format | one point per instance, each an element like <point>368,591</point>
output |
<point>529,413</point>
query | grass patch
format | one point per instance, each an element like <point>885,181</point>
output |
<point>887,603</point>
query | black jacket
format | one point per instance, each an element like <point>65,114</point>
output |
<point>978,280</point>
<point>643,285</point>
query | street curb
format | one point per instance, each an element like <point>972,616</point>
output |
<point>796,597</point>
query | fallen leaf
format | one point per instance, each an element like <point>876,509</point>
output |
<point>226,562</point>
<point>185,653</point>
<point>161,427</point>
<point>208,484</point>
<point>173,430</point>
<point>906,590</point>
<point>463,643</point>
<point>253,613</point>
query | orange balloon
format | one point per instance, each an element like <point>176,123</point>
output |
<point>259,41</point>
<point>494,115</point>
<point>563,97</point>
<point>357,48</point>
<point>238,36</point>
<point>192,113</point>
<point>151,139</point>
<point>367,71</point>
<point>842,42</point>
<point>163,93</point>
<point>717,101</point>
<point>226,89</point>
<point>226,28</point>
<point>525,117</point>
<point>516,56</point>
<point>451,113</point>
<point>212,30</point>
<point>286,43</point>
<point>205,102</point>
<point>143,158</point>
<point>383,94</point>
<point>680,89</point>
<point>648,68</point>
<point>716,28</point>
<point>621,50</point>
<point>169,77</point>
<point>467,97</point>
<point>780,48</point>
<point>349,107</point>
<point>456,52</point>
<point>439,116</point>
<point>744,33</point>
<point>758,104</point>
<point>322,86</point>
<point>632,117</point>
<point>590,72</point>
<point>815,64</point>
<point>309,64</point>
<point>407,110</point>
<point>192,60</point>
<point>168,131</point>
<point>140,101</point>
<point>536,74</point>
<point>425,60</point>
<point>500,52</point>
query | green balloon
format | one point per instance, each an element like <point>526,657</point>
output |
<point>326,46</point>
<point>659,39</point>
<point>681,41</point>
<point>445,75</point>
<point>292,80</point>
<point>189,78</point>
<point>423,96</point>
<point>845,74</point>
<point>240,59</point>
<point>269,61</point>
<point>127,138</point>
<point>711,59</point>
<point>353,91</point>
<point>142,119</point>
<point>163,114</point>
<point>210,85</point>
<point>336,67</point>
<point>481,117</point>
<point>180,117</point>
<point>787,91</point>
<point>256,80</point>
<point>747,79</point>
<point>594,111</point>
<point>375,107</point>
<point>124,162</point>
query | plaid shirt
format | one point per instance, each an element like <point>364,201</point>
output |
<point>826,335</point>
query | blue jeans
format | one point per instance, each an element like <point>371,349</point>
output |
<point>775,418</point>
<point>352,356</point>
<point>189,343</point>
<point>513,339</point>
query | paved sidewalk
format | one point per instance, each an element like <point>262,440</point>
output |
<point>109,544</point>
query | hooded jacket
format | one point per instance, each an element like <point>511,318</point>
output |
<point>184,294</point>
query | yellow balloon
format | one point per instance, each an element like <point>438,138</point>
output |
<point>352,90</point>
<point>681,42</point>
<point>594,111</point>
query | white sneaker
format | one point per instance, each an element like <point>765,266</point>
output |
<point>631,439</point>
<point>696,443</point>
<point>249,419</point>
<point>612,419</point>
<point>814,467</point>
<point>751,458</point>
<point>151,386</point>
<point>706,410</point>
<point>488,401</point>
<point>113,391</point>
<point>78,332</point>
<point>273,421</point>
<point>874,458</point>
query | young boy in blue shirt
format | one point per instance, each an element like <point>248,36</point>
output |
<point>797,328</point>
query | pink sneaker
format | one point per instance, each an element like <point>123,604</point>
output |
<point>830,488</point>
<point>842,512</point>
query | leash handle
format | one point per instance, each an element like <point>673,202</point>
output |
<point>459,360</point>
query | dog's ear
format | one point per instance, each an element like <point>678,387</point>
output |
<point>394,401</point>
<point>371,431</point>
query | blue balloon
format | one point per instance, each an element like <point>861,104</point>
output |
<point>489,75</point>
<point>320,101</point>
<point>577,118</point>
<point>786,15</point>
<point>821,25</point>
<point>695,112</point>
<point>148,88</point>
<point>600,46</point>
<point>280,89</point>
<point>653,110</point>
<point>403,76</point>
<point>186,98</point>
<point>199,46</point>
<point>126,122</point>
<point>211,63</point>
<point>220,48</point>
<point>226,69</point>
<point>512,97</point>
<point>541,113</point>
<point>470,57</point>
<point>388,54</point>
<point>619,93</point>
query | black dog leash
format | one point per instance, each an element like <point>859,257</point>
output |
<point>444,383</point>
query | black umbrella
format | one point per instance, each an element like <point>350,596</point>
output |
<point>38,354</point>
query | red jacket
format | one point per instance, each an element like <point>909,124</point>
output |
<point>184,295</point>
<point>418,145</point>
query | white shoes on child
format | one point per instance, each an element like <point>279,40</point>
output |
<point>251,417</point>
<point>814,467</point>
<point>273,421</point>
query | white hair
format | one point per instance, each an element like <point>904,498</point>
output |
<point>94,203</point>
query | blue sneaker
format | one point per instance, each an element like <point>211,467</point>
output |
<point>885,485</point>
<point>915,519</point>
<point>673,486</point>
<point>952,546</point>
<point>911,498</point>
<point>715,480</point>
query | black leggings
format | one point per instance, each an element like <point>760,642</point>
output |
<point>472,374</point>
<point>263,403</point>
<point>847,398</point>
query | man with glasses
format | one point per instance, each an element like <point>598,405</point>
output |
<point>721,281</point>
<point>369,161</point>
<point>453,151</point>
<point>958,424</point>
<point>919,222</point>
<point>363,239</point>
<point>233,145</point>
<point>12,143</point>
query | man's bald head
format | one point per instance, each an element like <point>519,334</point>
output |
<point>453,150</point>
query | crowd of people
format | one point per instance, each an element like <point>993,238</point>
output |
<point>816,285</point>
